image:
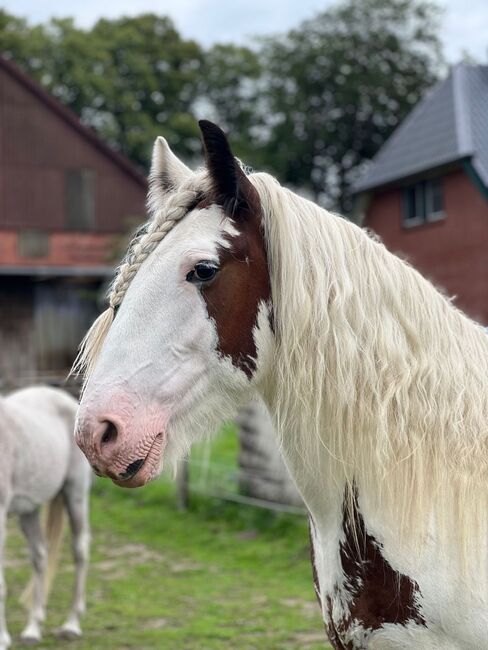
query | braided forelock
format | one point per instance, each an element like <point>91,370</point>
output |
<point>144,243</point>
<point>147,238</point>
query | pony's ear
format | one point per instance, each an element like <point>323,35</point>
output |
<point>231,187</point>
<point>167,171</point>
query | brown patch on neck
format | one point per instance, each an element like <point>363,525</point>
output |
<point>233,298</point>
<point>380,594</point>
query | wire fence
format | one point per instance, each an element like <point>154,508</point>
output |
<point>203,476</point>
<point>222,481</point>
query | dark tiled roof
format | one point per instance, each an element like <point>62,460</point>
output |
<point>450,123</point>
<point>72,119</point>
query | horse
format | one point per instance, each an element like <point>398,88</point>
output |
<point>377,383</point>
<point>40,463</point>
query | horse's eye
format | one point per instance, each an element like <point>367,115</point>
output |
<point>203,272</point>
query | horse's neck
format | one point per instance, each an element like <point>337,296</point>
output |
<point>327,496</point>
<point>323,497</point>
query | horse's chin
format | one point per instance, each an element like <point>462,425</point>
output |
<point>150,468</point>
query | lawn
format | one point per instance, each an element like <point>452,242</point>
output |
<point>215,577</point>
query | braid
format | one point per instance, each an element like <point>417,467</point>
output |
<point>141,246</point>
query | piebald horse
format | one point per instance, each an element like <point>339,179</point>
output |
<point>40,463</point>
<point>377,384</point>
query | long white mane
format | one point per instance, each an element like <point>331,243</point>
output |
<point>378,368</point>
<point>375,368</point>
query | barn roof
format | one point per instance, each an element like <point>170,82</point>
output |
<point>449,124</point>
<point>71,119</point>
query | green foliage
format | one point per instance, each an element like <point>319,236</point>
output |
<point>340,83</point>
<point>130,78</point>
<point>232,80</point>
<point>311,105</point>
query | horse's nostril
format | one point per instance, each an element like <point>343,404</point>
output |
<point>110,433</point>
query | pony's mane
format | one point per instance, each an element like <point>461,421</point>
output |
<point>376,368</point>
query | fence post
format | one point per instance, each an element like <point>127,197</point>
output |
<point>182,485</point>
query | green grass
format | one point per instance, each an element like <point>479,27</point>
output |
<point>215,577</point>
<point>224,447</point>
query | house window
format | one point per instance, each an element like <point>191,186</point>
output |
<point>33,243</point>
<point>423,202</point>
<point>80,199</point>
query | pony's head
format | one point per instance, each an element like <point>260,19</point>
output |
<point>187,337</point>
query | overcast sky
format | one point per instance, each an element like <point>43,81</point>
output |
<point>464,28</point>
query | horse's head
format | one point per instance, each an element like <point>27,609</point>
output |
<point>191,334</point>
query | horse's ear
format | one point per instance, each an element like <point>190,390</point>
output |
<point>231,187</point>
<point>167,171</point>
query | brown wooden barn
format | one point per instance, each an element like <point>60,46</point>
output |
<point>64,197</point>
<point>426,192</point>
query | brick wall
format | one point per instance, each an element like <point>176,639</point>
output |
<point>453,253</point>
<point>38,148</point>
<point>64,249</point>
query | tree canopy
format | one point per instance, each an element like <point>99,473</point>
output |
<point>131,79</point>
<point>340,83</point>
<point>311,105</point>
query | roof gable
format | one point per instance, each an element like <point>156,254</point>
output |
<point>476,82</point>
<point>70,118</point>
<point>450,123</point>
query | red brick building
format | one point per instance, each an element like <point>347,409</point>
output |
<point>426,192</point>
<point>64,196</point>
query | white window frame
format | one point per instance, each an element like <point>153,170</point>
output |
<point>423,198</point>
<point>430,214</point>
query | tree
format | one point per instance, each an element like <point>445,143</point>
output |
<point>131,78</point>
<point>311,106</point>
<point>153,77</point>
<point>338,86</point>
<point>230,94</point>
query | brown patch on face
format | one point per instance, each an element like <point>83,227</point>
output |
<point>233,297</point>
<point>242,283</point>
<point>380,594</point>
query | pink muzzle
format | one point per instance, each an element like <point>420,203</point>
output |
<point>122,441</point>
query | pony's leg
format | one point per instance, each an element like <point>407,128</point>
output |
<point>4,635</point>
<point>31,527</point>
<point>76,495</point>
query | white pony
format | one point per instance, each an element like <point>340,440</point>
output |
<point>377,384</point>
<point>40,463</point>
